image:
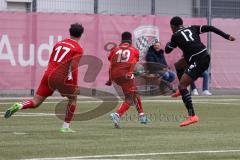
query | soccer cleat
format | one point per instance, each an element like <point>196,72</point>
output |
<point>14,108</point>
<point>66,130</point>
<point>143,119</point>
<point>194,92</point>
<point>176,94</point>
<point>190,120</point>
<point>116,120</point>
<point>206,93</point>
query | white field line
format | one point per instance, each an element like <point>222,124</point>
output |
<point>144,101</point>
<point>29,114</point>
<point>19,133</point>
<point>220,97</point>
<point>23,114</point>
<point>224,103</point>
<point>137,154</point>
<point>85,97</point>
<point>215,101</point>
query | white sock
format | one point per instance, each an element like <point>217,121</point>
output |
<point>117,114</point>
<point>141,114</point>
<point>66,125</point>
<point>21,105</point>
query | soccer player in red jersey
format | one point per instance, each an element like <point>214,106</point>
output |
<point>61,75</point>
<point>123,59</point>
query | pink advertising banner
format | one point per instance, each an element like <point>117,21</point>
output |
<point>225,55</point>
<point>26,41</point>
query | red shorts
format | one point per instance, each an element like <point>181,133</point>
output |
<point>128,86</point>
<point>49,84</point>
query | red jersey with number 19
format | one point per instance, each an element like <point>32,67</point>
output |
<point>123,59</point>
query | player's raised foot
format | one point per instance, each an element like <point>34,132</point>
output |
<point>190,120</point>
<point>14,108</point>
<point>143,119</point>
<point>66,130</point>
<point>176,94</point>
<point>116,120</point>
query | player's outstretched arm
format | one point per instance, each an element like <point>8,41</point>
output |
<point>231,38</point>
<point>168,48</point>
<point>171,45</point>
<point>207,28</point>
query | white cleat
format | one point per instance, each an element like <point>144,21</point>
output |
<point>194,92</point>
<point>206,93</point>
<point>116,120</point>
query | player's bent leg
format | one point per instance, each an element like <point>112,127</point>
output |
<point>138,103</point>
<point>127,88</point>
<point>71,107</point>
<point>124,106</point>
<point>180,66</point>
<point>120,111</point>
<point>35,102</point>
<point>115,117</point>
<point>187,100</point>
<point>131,96</point>
<point>142,117</point>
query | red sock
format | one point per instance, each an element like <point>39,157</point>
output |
<point>69,113</point>
<point>122,108</point>
<point>139,105</point>
<point>27,104</point>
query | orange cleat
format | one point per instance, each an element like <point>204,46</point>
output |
<point>190,120</point>
<point>176,94</point>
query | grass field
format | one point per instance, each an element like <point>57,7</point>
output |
<point>30,134</point>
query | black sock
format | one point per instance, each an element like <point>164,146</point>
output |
<point>179,73</point>
<point>187,100</point>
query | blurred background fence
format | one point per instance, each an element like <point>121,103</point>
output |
<point>190,8</point>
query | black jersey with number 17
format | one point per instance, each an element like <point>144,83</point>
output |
<point>188,40</point>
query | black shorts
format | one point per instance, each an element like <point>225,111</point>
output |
<point>195,69</point>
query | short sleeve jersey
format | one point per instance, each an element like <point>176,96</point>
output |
<point>65,53</point>
<point>123,59</point>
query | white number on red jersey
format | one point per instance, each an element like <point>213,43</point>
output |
<point>123,55</point>
<point>58,49</point>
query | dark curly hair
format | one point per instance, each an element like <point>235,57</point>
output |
<point>176,21</point>
<point>126,37</point>
<point>76,30</point>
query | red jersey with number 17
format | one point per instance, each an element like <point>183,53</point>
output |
<point>64,59</point>
<point>123,59</point>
